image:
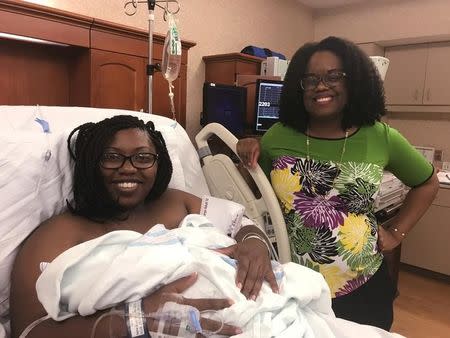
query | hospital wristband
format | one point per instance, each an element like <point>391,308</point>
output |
<point>135,319</point>
<point>258,237</point>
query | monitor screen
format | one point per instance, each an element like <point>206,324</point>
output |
<point>267,104</point>
<point>226,105</point>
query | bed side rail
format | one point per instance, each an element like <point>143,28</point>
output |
<point>225,181</point>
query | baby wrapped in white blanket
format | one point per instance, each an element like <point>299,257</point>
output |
<point>125,265</point>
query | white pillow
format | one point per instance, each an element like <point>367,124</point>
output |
<point>33,188</point>
<point>64,119</point>
<point>36,176</point>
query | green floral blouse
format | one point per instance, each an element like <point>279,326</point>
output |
<point>327,205</point>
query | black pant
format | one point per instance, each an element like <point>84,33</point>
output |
<point>371,303</point>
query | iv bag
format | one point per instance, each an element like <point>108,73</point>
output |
<point>171,58</point>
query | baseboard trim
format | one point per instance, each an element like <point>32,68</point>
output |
<point>424,272</point>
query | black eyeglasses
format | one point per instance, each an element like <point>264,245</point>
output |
<point>139,160</point>
<point>331,79</point>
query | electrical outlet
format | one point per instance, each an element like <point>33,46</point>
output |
<point>438,155</point>
<point>446,166</point>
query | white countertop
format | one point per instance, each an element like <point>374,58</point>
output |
<point>444,179</point>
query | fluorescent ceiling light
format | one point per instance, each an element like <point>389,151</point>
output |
<point>28,39</point>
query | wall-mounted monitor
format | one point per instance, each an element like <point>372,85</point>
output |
<point>267,104</point>
<point>226,105</point>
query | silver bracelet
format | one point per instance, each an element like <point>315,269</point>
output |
<point>399,232</point>
<point>257,236</point>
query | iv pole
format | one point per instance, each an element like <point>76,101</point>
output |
<point>151,68</point>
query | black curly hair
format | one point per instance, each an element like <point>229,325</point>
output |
<point>91,198</point>
<point>366,101</point>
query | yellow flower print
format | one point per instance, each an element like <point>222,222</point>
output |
<point>284,185</point>
<point>334,277</point>
<point>354,233</point>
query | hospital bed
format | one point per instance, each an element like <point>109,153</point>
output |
<point>36,181</point>
<point>36,174</point>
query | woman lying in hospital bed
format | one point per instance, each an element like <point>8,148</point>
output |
<point>126,235</point>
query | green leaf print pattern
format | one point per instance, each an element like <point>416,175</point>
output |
<point>347,252</point>
<point>318,243</point>
<point>308,263</point>
<point>351,171</point>
<point>358,196</point>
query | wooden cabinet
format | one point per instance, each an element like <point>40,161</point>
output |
<point>405,78</point>
<point>117,73</point>
<point>236,69</point>
<point>437,79</point>
<point>119,63</point>
<point>95,63</point>
<point>418,75</point>
<point>224,68</point>
<point>426,246</point>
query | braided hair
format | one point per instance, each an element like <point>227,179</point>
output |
<point>91,198</point>
<point>366,101</point>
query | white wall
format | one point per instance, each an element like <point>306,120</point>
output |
<point>217,26</point>
<point>391,22</point>
<point>383,20</point>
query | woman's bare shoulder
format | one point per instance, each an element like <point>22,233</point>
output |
<point>56,235</point>
<point>48,241</point>
<point>171,207</point>
<point>190,201</point>
<point>176,193</point>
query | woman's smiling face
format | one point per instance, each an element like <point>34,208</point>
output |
<point>325,100</point>
<point>128,185</point>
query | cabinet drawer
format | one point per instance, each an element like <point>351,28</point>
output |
<point>443,198</point>
<point>426,246</point>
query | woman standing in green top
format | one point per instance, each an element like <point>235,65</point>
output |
<point>325,160</point>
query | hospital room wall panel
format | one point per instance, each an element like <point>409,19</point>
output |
<point>80,78</point>
<point>25,71</point>
<point>128,40</point>
<point>218,27</point>
<point>107,71</point>
<point>136,45</point>
<point>114,73</point>
<point>57,26</point>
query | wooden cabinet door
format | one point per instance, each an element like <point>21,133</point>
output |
<point>118,81</point>
<point>405,78</point>
<point>438,75</point>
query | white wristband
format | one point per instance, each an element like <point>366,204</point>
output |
<point>136,322</point>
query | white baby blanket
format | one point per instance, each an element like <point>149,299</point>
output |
<point>125,266</point>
